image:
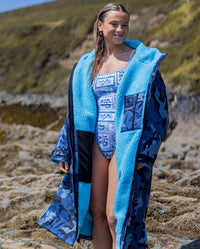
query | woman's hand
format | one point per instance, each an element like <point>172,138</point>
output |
<point>64,167</point>
<point>140,166</point>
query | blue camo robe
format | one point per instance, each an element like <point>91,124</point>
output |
<point>66,217</point>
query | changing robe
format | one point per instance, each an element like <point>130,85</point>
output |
<point>141,122</point>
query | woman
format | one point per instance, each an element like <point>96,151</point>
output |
<point>116,121</point>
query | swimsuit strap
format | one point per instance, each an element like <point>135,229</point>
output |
<point>131,56</point>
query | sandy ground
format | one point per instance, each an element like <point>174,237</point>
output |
<point>29,180</point>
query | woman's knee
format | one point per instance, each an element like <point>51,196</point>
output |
<point>111,220</point>
<point>98,214</point>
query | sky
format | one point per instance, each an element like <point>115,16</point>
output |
<point>7,5</point>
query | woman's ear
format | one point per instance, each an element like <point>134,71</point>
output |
<point>100,25</point>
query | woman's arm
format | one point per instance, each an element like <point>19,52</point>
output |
<point>155,123</point>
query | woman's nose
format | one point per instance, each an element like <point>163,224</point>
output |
<point>119,28</point>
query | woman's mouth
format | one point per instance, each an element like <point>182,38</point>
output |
<point>118,36</point>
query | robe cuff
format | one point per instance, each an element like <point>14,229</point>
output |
<point>59,154</point>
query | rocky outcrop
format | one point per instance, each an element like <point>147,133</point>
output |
<point>183,106</point>
<point>29,180</point>
<point>49,101</point>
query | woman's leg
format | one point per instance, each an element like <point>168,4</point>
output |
<point>112,184</point>
<point>99,187</point>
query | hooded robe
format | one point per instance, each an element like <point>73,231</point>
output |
<point>141,122</point>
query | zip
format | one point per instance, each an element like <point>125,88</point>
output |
<point>72,143</point>
<point>134,111</point>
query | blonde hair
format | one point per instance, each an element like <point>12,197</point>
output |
<point>98,36</point>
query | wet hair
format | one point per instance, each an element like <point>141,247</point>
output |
<point>98,36</point>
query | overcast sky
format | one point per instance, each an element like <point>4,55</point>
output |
<point>7,5</point>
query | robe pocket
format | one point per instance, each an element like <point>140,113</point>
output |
<point>133,108</point>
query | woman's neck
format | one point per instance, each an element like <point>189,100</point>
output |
<point>115,49</point>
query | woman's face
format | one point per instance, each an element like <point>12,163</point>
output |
<point>115,27</point>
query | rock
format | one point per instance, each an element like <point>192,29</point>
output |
<point>57,102</point>
<point>182,106</point>
<point>159,44</point>
<point>29,180</point>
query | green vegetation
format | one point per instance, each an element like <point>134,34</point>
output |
<point>34,40</point>
<point>182,31</point>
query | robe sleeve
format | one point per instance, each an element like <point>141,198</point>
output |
<point>155,123</point>
<point>62,150</point>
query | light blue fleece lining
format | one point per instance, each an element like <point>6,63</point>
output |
<point>136,79</point>
<point>84,102</point>
<point>85,112</point>
<point>139,72</point>
<point>85,227</point>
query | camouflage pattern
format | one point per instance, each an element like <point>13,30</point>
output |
<point>61,217</point>
<point>133,106</point>
<point>155,123</point>
<point>134,230</point>
<point>61,150</point>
